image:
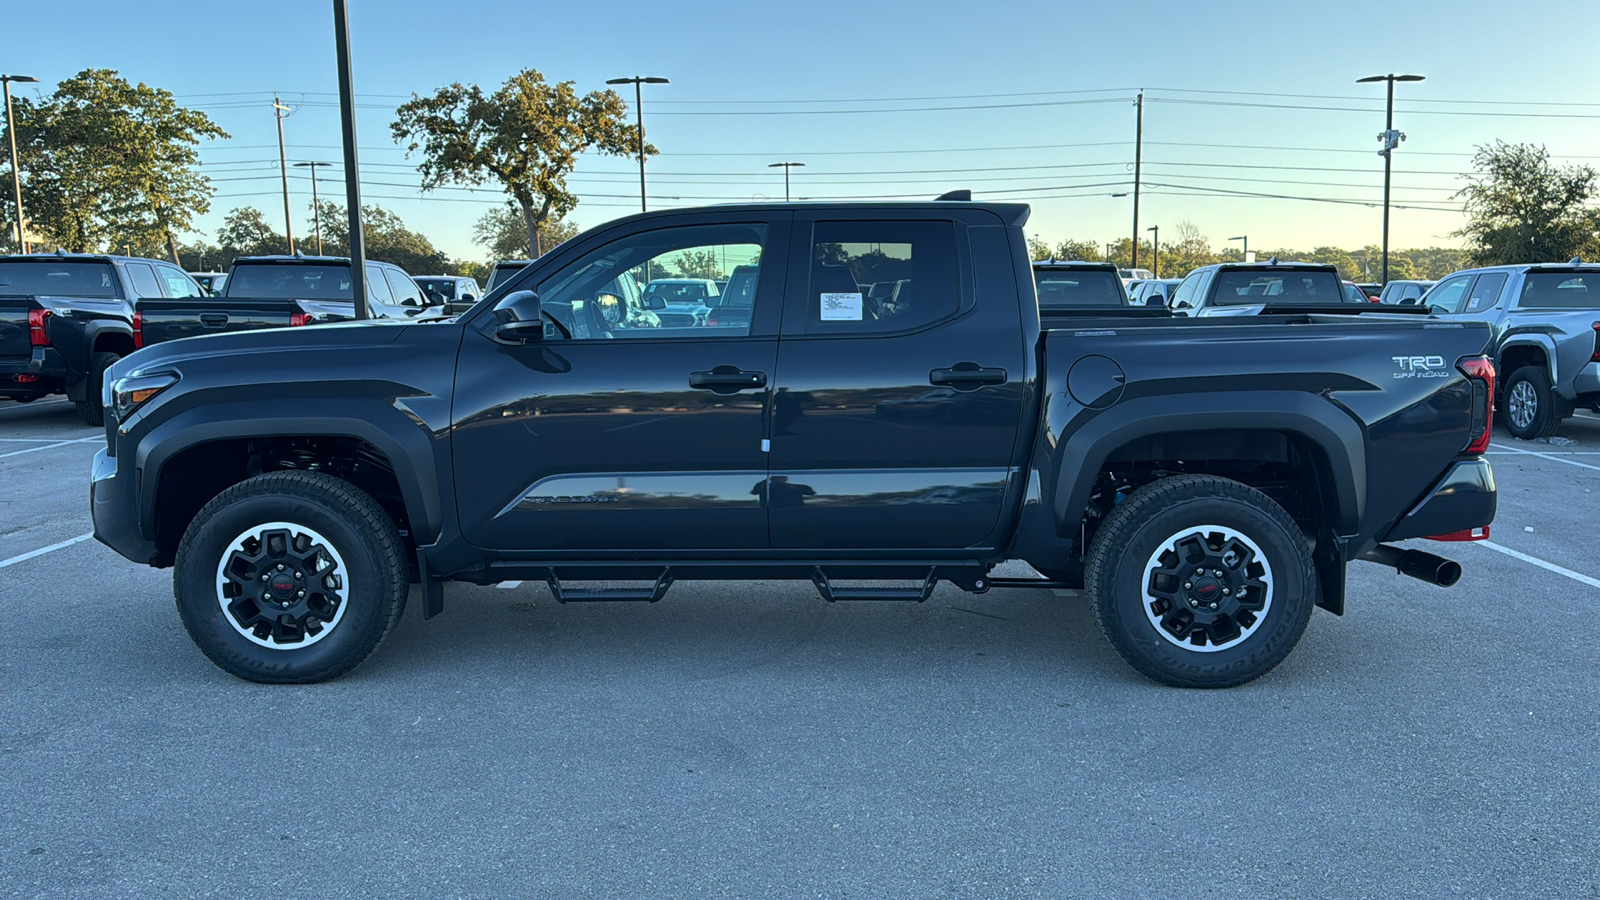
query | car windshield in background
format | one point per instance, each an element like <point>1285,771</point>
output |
<point>1089,288</point>
<point>292,281</point>
<point>677,292</point>
<point>441,287</point>
<point>1241,286</point>
<point>1561,290</point>
<point>65,279</point>
<point>501,274</point>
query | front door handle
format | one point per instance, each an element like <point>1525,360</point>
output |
<point>966,376</point>
<point>727,380</point>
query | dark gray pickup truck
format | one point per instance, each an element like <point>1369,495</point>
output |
<point>1206,481</point>
<point>65,318</point>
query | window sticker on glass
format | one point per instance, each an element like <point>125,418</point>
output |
<point>841,307</point>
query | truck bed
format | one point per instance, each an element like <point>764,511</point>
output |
<point>168,320</point>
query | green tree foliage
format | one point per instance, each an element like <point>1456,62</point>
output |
<point>201,256</point>
<point>1038,249</point>
<point>696,264</point>
<point>1522,209</point>
<point>1088,251</point>
<point>504,233</point>
<point>245,232</point>
<point>109,162</point>
<point>387,239</point>
<point>526,137</point>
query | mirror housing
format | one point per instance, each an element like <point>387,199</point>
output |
<point>654,303</point>
<point>518,317</point>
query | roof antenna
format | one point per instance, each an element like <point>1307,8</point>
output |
<point>963,194</point>
<point>1576,261</point>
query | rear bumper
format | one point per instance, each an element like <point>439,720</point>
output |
<point>1464,498</point>
<point>112,502</point>
<point>1587,380</point>
<point>44,371</point>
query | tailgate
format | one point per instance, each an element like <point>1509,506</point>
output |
<point>14,341</point>
<point>169,320</point>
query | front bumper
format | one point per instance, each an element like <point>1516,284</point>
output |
<point>113,503</point>
<point>1464,498</point>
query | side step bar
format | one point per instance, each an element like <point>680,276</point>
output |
<point>834,594</point>
<point>609,595</point>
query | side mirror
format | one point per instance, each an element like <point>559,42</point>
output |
<point>519,318</point>
<point>654,303</point>
<point>466,298</point>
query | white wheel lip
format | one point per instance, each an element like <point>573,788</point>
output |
<point>1147,601</point>
<point>1524,403</point>
<point>256,531</point>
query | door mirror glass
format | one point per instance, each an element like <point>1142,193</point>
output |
<point>518,317</point>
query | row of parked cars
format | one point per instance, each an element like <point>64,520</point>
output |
<point>1545,318</point>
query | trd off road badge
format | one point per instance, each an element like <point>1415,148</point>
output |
<point>1420,367</point>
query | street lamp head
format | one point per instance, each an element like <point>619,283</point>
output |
<point>654,80</point>
<point>1409,78</point>
<point>301,165</point>
<point>1371,78</point>
<point>20,79</point>
<point>785,164</point>
<point>1123,194</point>
<point>1153,228</point>
<point>1238,237</point>
<point>639,79</point>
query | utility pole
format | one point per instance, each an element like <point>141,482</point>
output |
<point>786,166</point>
<point>16,174</point>
<point>1390,139</point>
<point>278,109</point>
<point>638,108</point>
<point>352,168</point>
<point>316,207</point>
<point>1138,153</point>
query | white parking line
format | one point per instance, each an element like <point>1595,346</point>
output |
<point>1547,566</point>
<point>50,446</point>
<point>1570,462</point>
<point>509,585</point>
<point>43,550</point>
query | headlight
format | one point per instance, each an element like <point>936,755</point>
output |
<point>132,391</point>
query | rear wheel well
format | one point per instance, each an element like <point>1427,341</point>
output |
<point>114,342</point>
<point>196,474</point>
<point>1514,358</point>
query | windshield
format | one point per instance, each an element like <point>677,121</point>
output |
<point>1241,286</point>
<point>290,281</point>
<point>677,292</point>
<point>1561,290</point>
<point>1084,288</point>
<point>439,287</point>
<point>66,279</point>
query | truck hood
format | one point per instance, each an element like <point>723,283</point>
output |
<point>332,338</point>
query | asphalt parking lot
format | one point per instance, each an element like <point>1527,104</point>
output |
<point>747,739</point>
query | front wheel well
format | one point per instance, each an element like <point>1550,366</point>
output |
<point>195,475</point>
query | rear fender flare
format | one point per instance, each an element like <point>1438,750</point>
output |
<point>1519,340</point>
<point>409,447</point>
<point>1085,449</point>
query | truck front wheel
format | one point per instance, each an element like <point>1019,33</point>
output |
<point>290,577</point>
<point>1200,581</point>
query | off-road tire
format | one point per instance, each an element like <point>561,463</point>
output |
<point>1118,581</point>
<point>371,562</point>
<point>89,408</point>
<point>1531,384</point>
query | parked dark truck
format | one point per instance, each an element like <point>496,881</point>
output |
<point>281,292</point>
<point>1205,480</point>
<point>65,318</point>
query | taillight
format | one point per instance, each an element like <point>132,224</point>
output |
<point>37,335</point>
<point>1481,533</point>
<point>711,320</point>
<point>1596,356</point>
<point>299,318</point>
<point>138,328</point>
<point>1480,373</point>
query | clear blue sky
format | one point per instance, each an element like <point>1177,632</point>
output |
<point>1063,155</point>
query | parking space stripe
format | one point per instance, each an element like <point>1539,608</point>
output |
<point>1570,462</point>
<point>50,446</point>
<point>43,550</point>
<point>1534,560</point>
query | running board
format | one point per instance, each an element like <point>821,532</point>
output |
<point>833,594</point>
<point>1045,583</point>
<point>609,595</point>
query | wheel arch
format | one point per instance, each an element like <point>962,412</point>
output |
<point>1526,350</point>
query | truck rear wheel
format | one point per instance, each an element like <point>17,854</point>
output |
<point>290,577</point>
<point>89,408</point>
<point>1200,581</point>
<point>1532,409</point>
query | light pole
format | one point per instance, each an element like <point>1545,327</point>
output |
<point>786,167</point>
<point>11,129</point>
<point>1245,253</point>
<point>1155,250</point>
<point>278,109</point>
<point>316,209</point>
<point>638,108</point>
<point>1108,252</point>
<point>352,191</point>
<point>1390,139</point>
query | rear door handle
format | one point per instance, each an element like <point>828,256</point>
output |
<point>727,380</point>
<point>966,376</point>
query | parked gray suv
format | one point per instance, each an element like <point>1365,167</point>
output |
<point>1546,325</point>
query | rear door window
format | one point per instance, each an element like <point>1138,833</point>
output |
<point>377,288</point>
<point>1485,292</point>
<point>875,277</point>
<point>144,280</point>
<point>406,292</point>
<point>178,285</point>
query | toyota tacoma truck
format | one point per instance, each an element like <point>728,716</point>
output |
<point>65,318</point>
<point>1546,325</point>
<point>1249,289</point>
<point>279,292</point>
<point>1204,481</point>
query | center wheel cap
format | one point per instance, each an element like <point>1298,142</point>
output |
<point>1207,590</point>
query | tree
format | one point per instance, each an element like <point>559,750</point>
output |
<point>504,233</point>
<point>108,160</point>
<point>695,264</point>
<point>1187,250</point>
<point>1087,251</point>
<point>526,137</point>
<point>1038,249</point>
<point>1522,209</point>
<point>387,239</point>
<point>245,232</point>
